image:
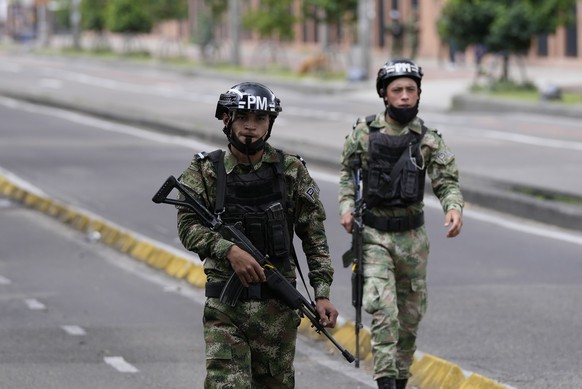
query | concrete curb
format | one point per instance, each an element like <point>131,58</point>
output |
<point>428,371</point>
<point>470,102</point>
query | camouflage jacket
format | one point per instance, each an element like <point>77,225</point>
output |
<point>308,218</point>
<point>439,161</point>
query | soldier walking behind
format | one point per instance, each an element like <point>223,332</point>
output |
<point>396,150</point>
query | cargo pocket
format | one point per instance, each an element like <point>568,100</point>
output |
<point>371,295</point>
<point>418,288</point>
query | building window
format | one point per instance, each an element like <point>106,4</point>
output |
<point>572,37</point>
<point>542,43</point>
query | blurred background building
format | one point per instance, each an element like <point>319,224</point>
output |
<point>395,27</point>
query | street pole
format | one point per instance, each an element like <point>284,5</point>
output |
<point>234,22</point>
<point>76,24</point>
<point>42,24</point>
<point>365,13</point>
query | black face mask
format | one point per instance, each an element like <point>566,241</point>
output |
<point>247,148</point>
<point>402,115</point>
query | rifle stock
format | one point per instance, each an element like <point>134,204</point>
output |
<point>275,280</point>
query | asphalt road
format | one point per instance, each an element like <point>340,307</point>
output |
<point>76,314</point>
<point>503,297</point>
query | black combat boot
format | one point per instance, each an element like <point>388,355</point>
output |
<point>386,383</point>
<point>401,384</point>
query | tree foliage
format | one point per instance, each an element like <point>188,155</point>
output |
<point>271,19</point>
<point>129,16</point>
<point>330,11</point>
<point>506,27</point>
<point>502,25</point>
<point>169,9</point>
<point>93,14</point>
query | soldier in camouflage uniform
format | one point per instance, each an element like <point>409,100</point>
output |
<point>395,151</point>
<point>252,345</point>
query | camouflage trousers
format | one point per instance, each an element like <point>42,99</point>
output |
<point>395,295</point>
<point>251,345</point>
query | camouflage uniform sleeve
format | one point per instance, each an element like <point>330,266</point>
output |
<point>309,227</point>
<point>200,178</point>
<point>443,172</point>
<point>353,148</point>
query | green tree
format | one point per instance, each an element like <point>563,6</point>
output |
<point>330,11</point>
<point>272,19</point>
<point>506,27</point>
<point>93,19</point>
<point>129,16</point>
<point>93,15</point>
<point>169,9</point>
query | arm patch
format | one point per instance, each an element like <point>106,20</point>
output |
<point>312,193</point>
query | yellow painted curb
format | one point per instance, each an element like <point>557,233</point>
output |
<point>476,381</point>
<point>159,259</point>
<point>125,242</point>
<point>346,336</point>
<point>141,251</point>
<point>109,234</point>
<point>179,267</point>
<point>435,373</point>
<point>196,276</point>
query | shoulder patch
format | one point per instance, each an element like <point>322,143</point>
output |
<point>445,156</point>
<point>312,192</point>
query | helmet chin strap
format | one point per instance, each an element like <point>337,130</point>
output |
<point>248,147</point>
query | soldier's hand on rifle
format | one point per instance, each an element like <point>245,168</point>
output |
<point>327,312</point>
<point>245,266</point>
<point>346,220</point>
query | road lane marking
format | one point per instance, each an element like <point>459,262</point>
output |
<point>34,304</point>
<point>5,203</point>
<point>74,330</point>
<point>50,83</point>
<point>10,67</point>
<point>4,280</point>
<point>120,364</point>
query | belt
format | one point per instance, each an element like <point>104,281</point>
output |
<point>394,224</point>
<point>254,291</point>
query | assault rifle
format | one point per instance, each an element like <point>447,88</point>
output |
<point>275,280</point>
<point>354,255</point>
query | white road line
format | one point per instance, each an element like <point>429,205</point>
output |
<point>120,365</point>
<point>4,280</point>
<point>50,83</point>
<point>5,203</point>
<point>74,330</point>
<point>10,67</point>
<point>34,304</point>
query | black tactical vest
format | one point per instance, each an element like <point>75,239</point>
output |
<point>396,173</point>
<point>257,202</point>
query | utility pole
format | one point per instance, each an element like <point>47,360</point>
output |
<point>42,22</point>
<point>234,23</point>
<point>365,13</point>
<point>76,24</point>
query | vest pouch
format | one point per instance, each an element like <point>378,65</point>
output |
<point>409,182</point>
<point>255,230</point>
<point>278,240</point>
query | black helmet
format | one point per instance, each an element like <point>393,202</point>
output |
<point>248,97</point>
<point>394,69</point>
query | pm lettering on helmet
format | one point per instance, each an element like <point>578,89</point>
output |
<point>402,67</point>
<point>258,103</point>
